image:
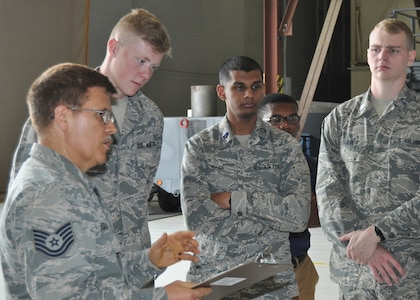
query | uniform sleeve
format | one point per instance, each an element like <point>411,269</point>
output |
<point>199,211</point>
<point>67,253</point>
<point>287,208</point>
<point>402,222</point>
<point>140,269</point>
<point>336,215</point>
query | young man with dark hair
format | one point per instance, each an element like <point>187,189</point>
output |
<point>245,186</point>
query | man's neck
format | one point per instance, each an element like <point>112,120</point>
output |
<point>384,90</point>
<point>242,126</point>
<point>104,70</point>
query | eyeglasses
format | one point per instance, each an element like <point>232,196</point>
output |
<point>106,115</point>
<point>277,119</point>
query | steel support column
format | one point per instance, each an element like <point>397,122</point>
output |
<point>272,50</point>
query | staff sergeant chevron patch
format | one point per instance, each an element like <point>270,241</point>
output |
<point>53,244</point>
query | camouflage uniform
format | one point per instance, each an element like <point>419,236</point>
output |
<point>56,239</point>
<point>274,177</point>
<point>368,174</point>
<point>127,177</point>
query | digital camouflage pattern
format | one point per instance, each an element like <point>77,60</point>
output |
<point>368,174</point>
<point>127,177</point>
<point>53,199</point>
<point>270,186</point>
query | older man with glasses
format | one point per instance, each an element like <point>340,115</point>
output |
<point>281,111</point>
<point>57,240</point>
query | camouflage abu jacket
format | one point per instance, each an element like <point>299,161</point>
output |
<point>57,240</point>
<point>369,174</point>
<point>270,177</point>
<point>127,177</point>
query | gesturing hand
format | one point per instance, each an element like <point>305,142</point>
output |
<point>169,249</point>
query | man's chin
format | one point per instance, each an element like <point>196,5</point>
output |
<point>102,161</point>
<point>132,91</point>
<point>123,94</point>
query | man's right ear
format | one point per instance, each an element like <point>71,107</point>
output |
<point>220,89</point>
<point>61,115</point>
<point>112,46</point>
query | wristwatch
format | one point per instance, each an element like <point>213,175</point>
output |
<point>379,234</point>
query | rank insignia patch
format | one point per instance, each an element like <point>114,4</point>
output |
<point>53,244</point>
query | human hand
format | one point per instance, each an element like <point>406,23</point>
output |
<point>361,244</point>
<point>180,290</point>
<point>222,199</point>
<point>384,266</point>
<point>169,249</point>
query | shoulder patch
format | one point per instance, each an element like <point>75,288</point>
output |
<point>53,244</point>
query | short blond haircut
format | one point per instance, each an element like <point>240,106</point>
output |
<point>143,24</point>
<point>395,26</point>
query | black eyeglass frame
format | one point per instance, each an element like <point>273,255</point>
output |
<point>278,119</point>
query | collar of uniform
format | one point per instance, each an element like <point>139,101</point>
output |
<point>259,131</point>
<point>225,131</point>
<point>400,102</point>
<point>59,162</point>
<point>262,128</point>
<point>366,106</point>
<point>404,96</point>
<point>134,112</point>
